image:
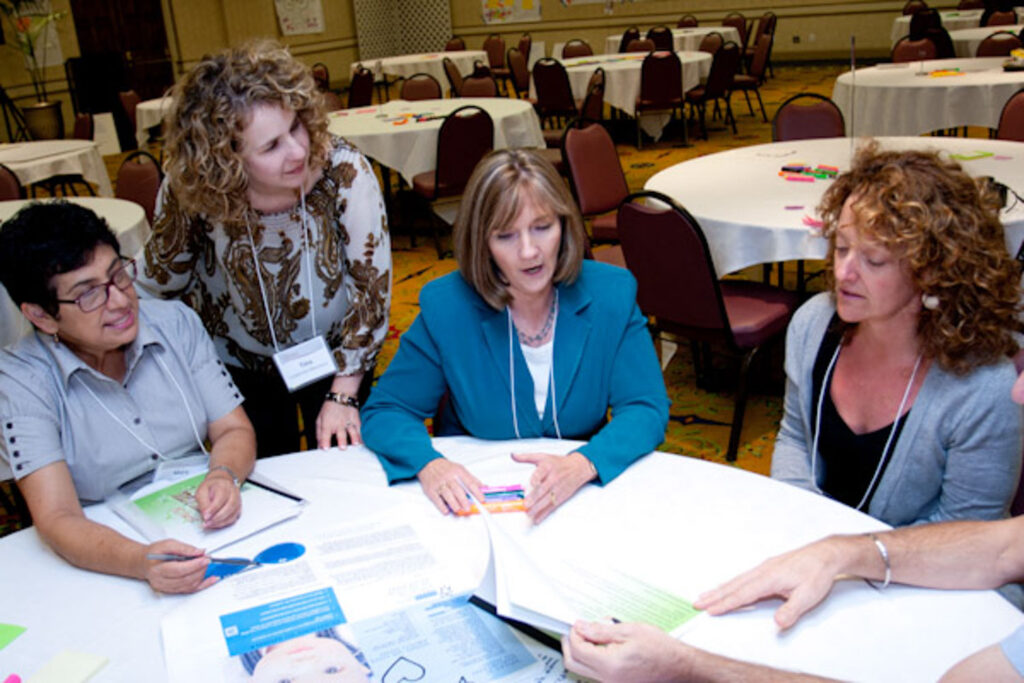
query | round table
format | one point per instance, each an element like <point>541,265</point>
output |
<point>126,219</point>
<point>912,98</point>
<point>751,215</point>
<point>148,114</point>
<point>952,20</point>
<point>683,39</point>
<point>403,135</point>
<point>430,63</point>
<point>36,161</point>
<point>966,40</point>
<point>679,524</point>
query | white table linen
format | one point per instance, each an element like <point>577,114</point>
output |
<point>952,20</point>
<point>149,113</point>
<point>966,40</point>
<point>391,135</point>
<point>751,215</point>
<point>642,523</point>
<point>684,39</point>
<point>35,161</point>
<point>903,99</point>
<point>430,63</point>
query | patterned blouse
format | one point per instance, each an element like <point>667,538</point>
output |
<point>211,268</point>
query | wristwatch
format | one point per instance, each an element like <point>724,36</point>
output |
<point>342,399</point>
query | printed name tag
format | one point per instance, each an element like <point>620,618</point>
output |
<point>305,363</point>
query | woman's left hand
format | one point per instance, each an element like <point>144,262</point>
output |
<point>339,421</point>
<point>555,480</point>
<point>219,501</point>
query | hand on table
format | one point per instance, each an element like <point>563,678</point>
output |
<point>442,480</point>
<point>338,421</point>
<point>802,577</point>
<point>185,576</point>
<point>624,652</point>
<point>219,500</point>
<point>554,481</point>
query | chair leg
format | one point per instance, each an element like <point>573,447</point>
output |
<point>729,116</point>
<point>740,406</point>
<point>750,106</point>
<point>638,131</point>
<point>764,115</point>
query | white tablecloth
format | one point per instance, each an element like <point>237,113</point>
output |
<point>391,134</point>
<point>684,39</point>
<point>428,63</point>
<point>750,215</point>
<point>39,160</point>
<point>903,99</point>
<point>679,523</point>
<point>952,20</point>
<point>966,40</point>
<point>148,114</point>
<point>126,219</point>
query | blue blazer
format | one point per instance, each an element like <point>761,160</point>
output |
<point>603,358</point>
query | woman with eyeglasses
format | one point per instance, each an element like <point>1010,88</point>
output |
<point>104,390</point>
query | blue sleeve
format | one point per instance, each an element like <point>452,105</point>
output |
<point>1013,648</point>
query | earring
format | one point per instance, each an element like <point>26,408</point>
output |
<point>930,301</point>
<point>56,339</point>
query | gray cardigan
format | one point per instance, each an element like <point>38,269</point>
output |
<point>958,455</point>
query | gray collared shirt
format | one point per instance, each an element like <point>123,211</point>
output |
<point>55,407</point>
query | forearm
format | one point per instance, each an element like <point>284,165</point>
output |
<point>93,546</point>
<point>235,449</point>
<point>705,667</point>
<point>347,385</point>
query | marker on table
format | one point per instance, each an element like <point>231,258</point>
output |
<point>175,557</point>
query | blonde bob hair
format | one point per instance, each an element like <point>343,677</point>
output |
<point>499,187</point>
<point>944,225</point>
<point>211,107</point>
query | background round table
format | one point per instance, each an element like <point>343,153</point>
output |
<point>966,40</point>
<point>148,114</point>
<point>683,39</point>
<point>430,63</point>
<point>38,160</point>
<point>952,20</point>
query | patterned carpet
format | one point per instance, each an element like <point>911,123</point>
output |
<point>699,425</point>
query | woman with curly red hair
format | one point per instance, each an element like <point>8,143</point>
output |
<point>275,233</point>
<point>898,377</point>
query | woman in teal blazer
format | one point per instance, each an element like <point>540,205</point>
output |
<point>523,299</point>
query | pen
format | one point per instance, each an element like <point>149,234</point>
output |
<point>175,557</point>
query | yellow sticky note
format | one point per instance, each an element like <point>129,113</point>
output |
<point>68,666</point>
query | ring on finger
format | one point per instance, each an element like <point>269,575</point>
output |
<point>553,503</point>
<point>348,425</point>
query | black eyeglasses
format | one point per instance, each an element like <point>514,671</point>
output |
<point>97,296</point>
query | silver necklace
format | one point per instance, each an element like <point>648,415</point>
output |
<point>535,339</point>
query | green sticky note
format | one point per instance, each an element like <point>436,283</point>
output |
<point>971,156</point>
<point>8,632</point>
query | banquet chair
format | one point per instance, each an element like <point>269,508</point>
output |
<point>455,44</point>
<point>913,6</point>
<point>807,116</point>
<point>943,42</point>
<point>129,101</point>
<point>494,46</point>
<point>687,21</point>
<point>64,184</point>
<point>997,17</point>
<point>321,76</point>
<point>591,108</point>
<point>466,135</point>
<point>520,73</point>
<point>640,45</point>
<point>921,22</point>
<point>576,48</point>
<point>724,65</point>
<point>661,36</point>
<point>360,90</point>
<point>630,34</point>
<point>420,86</point>
<point>138,180</point>
<point>738,22</point>
<point>555,102</point>
<point>677,286</point>
<point>10,186</point>
<point>479,86</point>
<point>84,127</point>
<point>754,78</point>
<point>454,76</point>
<point>525,45</point>
<point>711,42</point>
<point>999,44</point>
<point>661,89</point>
<point>595,178</point>
<point>909,50</point>
<point>1011,120</point>
<point>970,4</point>
<point>766,24</point>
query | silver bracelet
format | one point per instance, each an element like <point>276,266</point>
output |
<point>884,552</point>
<point>231,474</point>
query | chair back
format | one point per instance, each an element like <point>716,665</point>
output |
<point>640,45</point>
<point>913,6</point>
<point>711,42</point>
<point>999,18</point>
<point>554,93</point>
<point>724,66</point>
<point>765,24</point>
<point>592,108</point>
<point>466,135</point>
<point>360,90</point>
<point>999,44</point>
<point>661,80</point>
<point>1011,120</point>
<point>420,86</point>
<point>661,36</point>
<point>631,33</point>
<point>494,46</point>
<point>921,21</point>
<point>10,186</point>
<point>332,100</point>
<point>667,253</point>
<point>480,70</point>
<point>138,180</point>
<point>595,173</point>
<point>84,126</point>
<point>479,86</point>
<point>454,77</point>
<point>687,21</point>
<point>520,71</point>
<point>525,45</point>
<point>808,116</point>
<point>971,4</point>
<point>576,48</point>
<point>738,22</point>
<point>759,63</point>
<point>909,50</point>
<point>455,44</point>
<point>321,76</point>
<point>129,101</point>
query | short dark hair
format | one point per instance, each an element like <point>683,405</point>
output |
<point>45,239</point>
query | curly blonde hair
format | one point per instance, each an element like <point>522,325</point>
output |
<point>945,226</point>
<point>211,107</point>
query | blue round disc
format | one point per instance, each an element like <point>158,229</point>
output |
<point>281,553</point>
<point>223,570</point>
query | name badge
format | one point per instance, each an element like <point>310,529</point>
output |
<point>305,363</point>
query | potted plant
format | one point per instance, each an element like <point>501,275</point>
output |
<point>25,21</point>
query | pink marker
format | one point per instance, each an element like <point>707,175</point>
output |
<point>800,178</point>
